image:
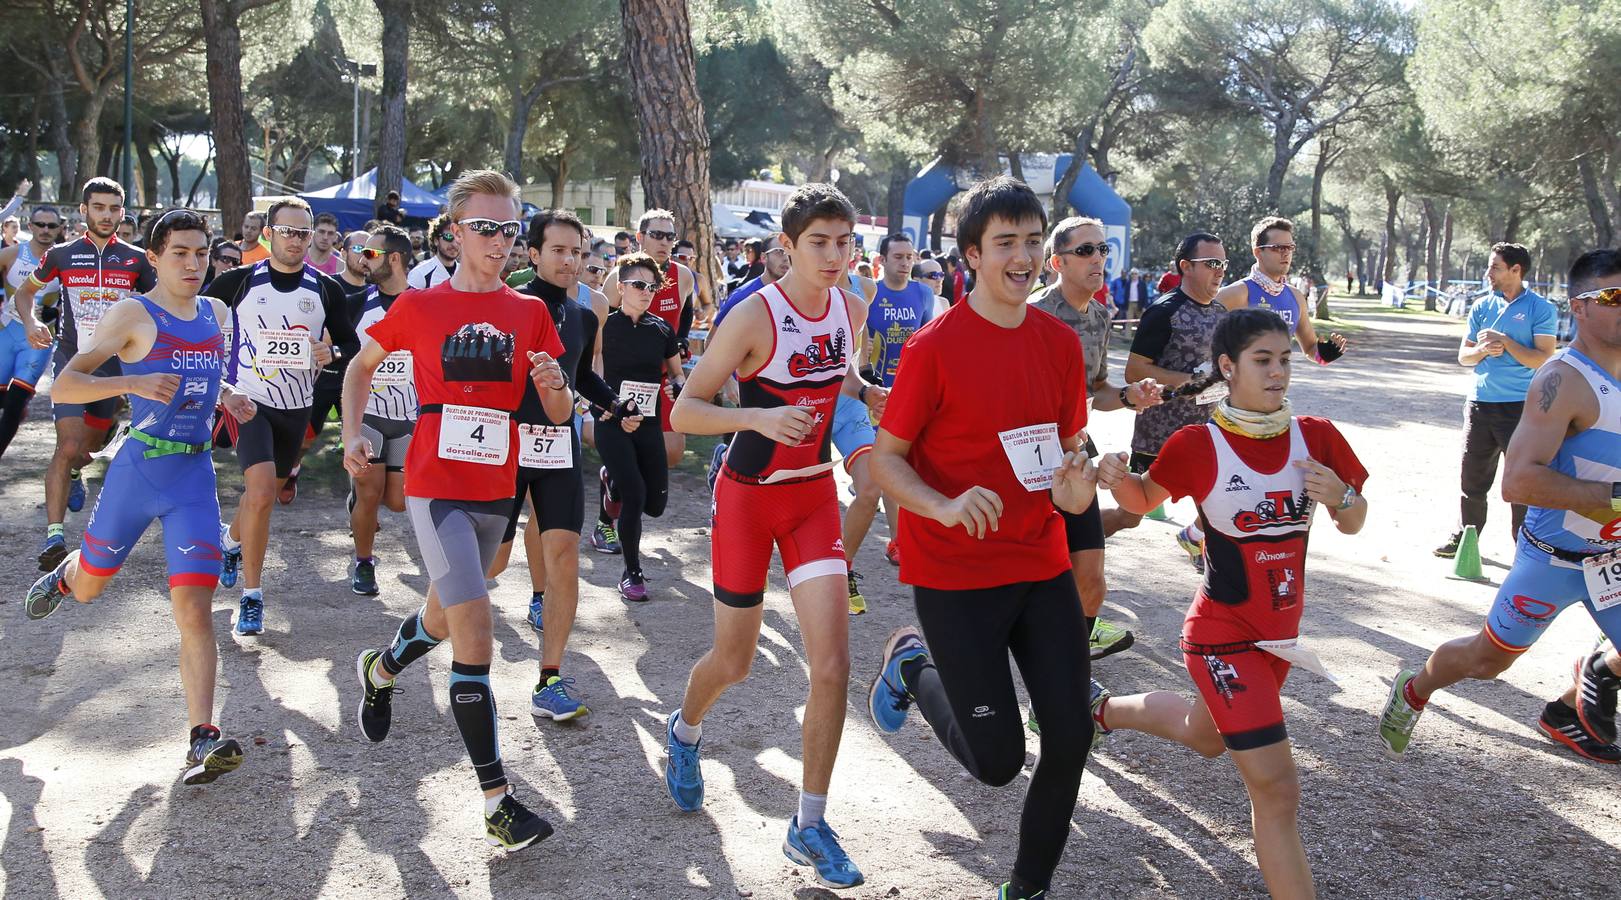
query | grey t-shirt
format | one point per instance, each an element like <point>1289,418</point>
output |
<point>1092,326</point>
<point>1174,333</point>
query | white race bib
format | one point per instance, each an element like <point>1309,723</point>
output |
<point>1034,453</point>
<point>1603,576</point>
<point>473,434</point>
<point>644,393</point>
<point>1290,651</point>
<point>395,370</point>
<point>545,446</point>
<point>283,349</point>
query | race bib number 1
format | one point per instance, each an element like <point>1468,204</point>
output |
<point>473,434</point>
<point>545,447</point>
<point>1603,576</point>
<point>644,393</point>
<point>283,349</point>
<point>1034,453</point>
<point>394,371</point>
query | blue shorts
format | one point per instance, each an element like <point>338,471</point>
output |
<point>1535,592</point>
<point>19,362</point>
<point>179,490</point>
<point>853,433</point>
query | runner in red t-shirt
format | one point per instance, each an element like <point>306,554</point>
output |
<point>981,459</point>
<point>474,345</point>
<point>791,345</point>
<point>1256,473</point>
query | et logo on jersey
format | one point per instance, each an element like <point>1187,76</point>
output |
<point>1277,510</point>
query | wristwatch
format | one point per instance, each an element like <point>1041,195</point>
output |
<point>1125,401</point>
<point>1349,500</point>
<point>1615,496</point>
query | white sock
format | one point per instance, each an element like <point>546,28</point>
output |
<point>255,593</point>
<point>811,807</point>
<point>1195,533</point>
<point>492,803</point>
<point>226,541</point>
<point>687,734</point>
<point>294,473</point>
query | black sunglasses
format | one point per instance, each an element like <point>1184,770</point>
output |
<point>50,225</point>
<point>595,270</point>
<point>660,235</point>
<point>1085,251</point>
<point>489,228</point>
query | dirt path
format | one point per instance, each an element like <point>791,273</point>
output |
<point>92,720</point>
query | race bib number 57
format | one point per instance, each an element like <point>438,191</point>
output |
<point>474,434</point>
<point>1034,452</point>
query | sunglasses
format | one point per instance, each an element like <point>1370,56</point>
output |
<point>288,232</point>
<point>595,270</point>
<point>370,252</point>
<point>489,228</point>
<point>1285,249</point>
<point>1610,296</point>
<point>638,284</point>
<point>660,235</point>
<point>684,257</point>
<point>933,276</point>
<point>357,248</point>
<point>233,260</point>
<point>1210,262</point>
<point>1085,251</point>
<point>49,226</point>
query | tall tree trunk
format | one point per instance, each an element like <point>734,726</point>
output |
<point>67,156</point>
<point>172,162</point>
<point>523,106</point>
<point>622,199</point>
<point>1432,223</point>
<point>1015,165</point>
<point>87,138</point>
<point>222,47</point>
<point>937,226</point>
<point>1282,154</point>
<point>1387,242</point>
<point>197,181</point>
<point>1314,257</point>
<point>560,178</point>
<point>1066,182</point>
<point>148,169</point>
<point>1446,244</point>
<point>396,59</point>
<point>900,175</point>
<point>670,123</point>
<point>1511,226</point>
<point>1603,229</point>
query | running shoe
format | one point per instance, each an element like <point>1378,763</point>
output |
<point>858,603</point>
<point>45,596</point>
<point>1562,725</point>
<point>52,552</point>
<point>1193,548</point>
<point>552,701</point>
<point>1006,892</point>
<point>1450,548</point>
<point>633,587</point>
<point>1397,721</point>
<point>75,490</point>
<point>1108,640</point>
<point>363,578</point>
<point>513,826</point>
<point>1099,695</point>
<point>888,698</point>
<point>1596,688</point>
<point>682,776</point>
<point>289,490</point>
<point>716,457</point>
<point>893,553</point>
<point>817,846</point>
<point>210,757</point>
<point>537,608</point>
<point>250,616</point>
<point>604,539</point>
<point>376,712</point>
<point>610,497</point>
<point>230,560</point>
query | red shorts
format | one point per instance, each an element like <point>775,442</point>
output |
<point>801,518</point>
<point>1242,690</point>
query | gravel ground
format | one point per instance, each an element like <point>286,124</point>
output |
<point>94,726</point>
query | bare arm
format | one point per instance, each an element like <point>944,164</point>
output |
<point>1532,357</point>
<point>1559,403</point>
<point>1234,296</point>
<point>357,390</point>
<point>120,328</point>
<point>977,509</point>
<point>1470,353</point>
<point>733,349</point>
<point>1139,367</point>
<point>1137,494</point>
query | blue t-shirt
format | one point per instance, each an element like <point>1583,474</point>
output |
<point>1502,379</point>
<point>736,297</point>
<point>892,318</point>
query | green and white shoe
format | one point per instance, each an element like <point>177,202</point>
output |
<point>1109,639</point>
<point>1397,721</point>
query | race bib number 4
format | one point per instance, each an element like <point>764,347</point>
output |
<point>473,434</point>
<point>1034,452</point>
<point>1603,576</point>
<point>545,447</point>
<point>644,393</point>
<point>395,370</point>
<point>283,349</point>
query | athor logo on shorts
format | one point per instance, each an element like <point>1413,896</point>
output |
<point>1224,677</point>
<point>825,353</point>
<point>478,352</point>
<point>1533,609</point>
<point>788,326</point>
<point>981,712</point>
<point>1611,531</point>
<point>1236,483</point>
<point>1277,511</point>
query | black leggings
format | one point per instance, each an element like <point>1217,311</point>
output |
<point>967,697</point>
<point>641,479</point>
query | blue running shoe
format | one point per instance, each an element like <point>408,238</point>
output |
<point>552,701</point>
<point>537,620</point>
<point>75,491</point>
<point>681,773</point>
<point>230,560</point>
<point>715,459</point>
<point>45,596</point>
<point>250,616</point>
<point>818,847</point>
<point>888,699</point>
<point>52,552</point>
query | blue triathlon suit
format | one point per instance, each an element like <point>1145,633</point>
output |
<point>164,470</point>
<point>1285,304</point>
<point>1547,573</point>
<point>21,364</point>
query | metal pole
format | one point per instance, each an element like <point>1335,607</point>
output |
<point>354,159</point>
<point>129,96</point>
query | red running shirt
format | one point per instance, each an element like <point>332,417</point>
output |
<point>963,380</point>
<point>467,349</point>
<point>667,301</point>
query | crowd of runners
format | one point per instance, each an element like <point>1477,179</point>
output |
<point>472,367</point>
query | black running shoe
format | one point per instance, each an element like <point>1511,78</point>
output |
<point>1450,548</point>
<point>210,756</point>
<point>45,596</point>
<point>1596,688</point>
<point>1559,722</point>
<point>376,711</point>
<point>513,826</point>
<point>363,578</point>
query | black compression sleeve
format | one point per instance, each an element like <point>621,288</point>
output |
<point>587,383</point>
